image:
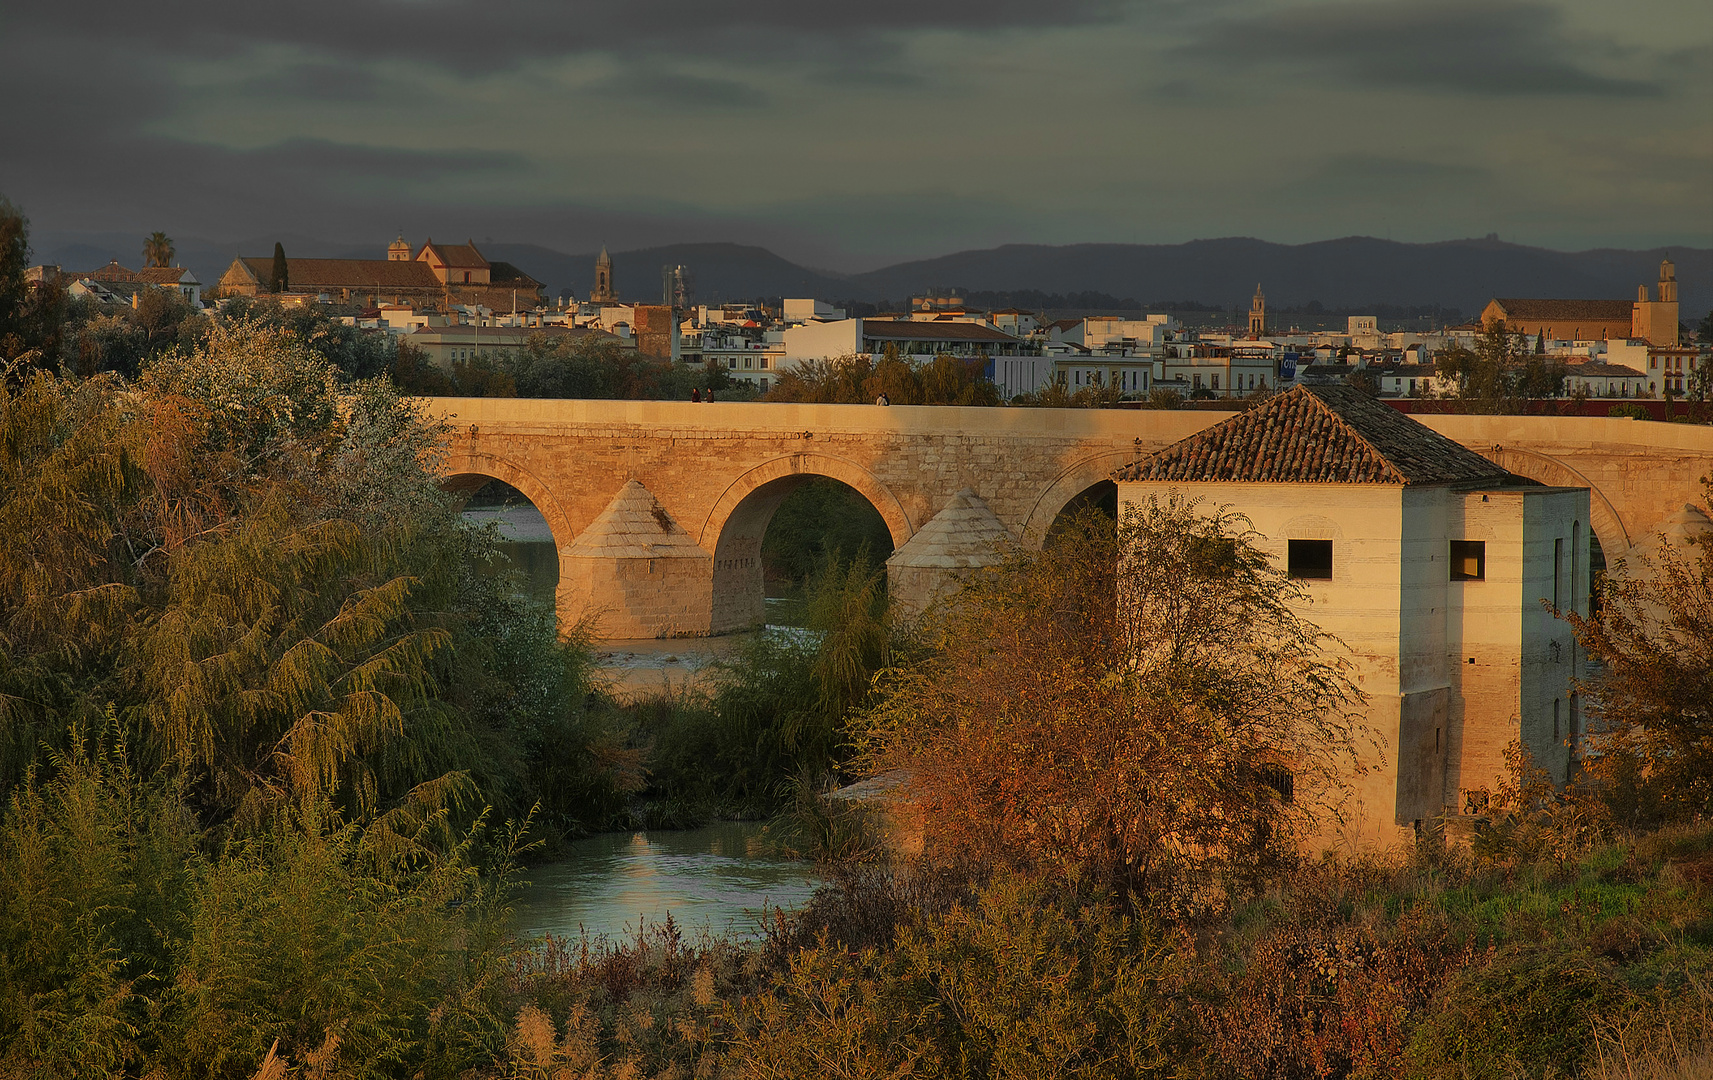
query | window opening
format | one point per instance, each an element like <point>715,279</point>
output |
<point>1557,559</point>
<point>1311,559</point>
<point>1468,560</point>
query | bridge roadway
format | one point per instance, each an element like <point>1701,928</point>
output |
<point>719,470</point>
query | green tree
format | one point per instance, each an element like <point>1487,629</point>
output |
<point>158,250</point>
<point>1142,705</point>
<point>279,278</point>
<point>1501,374</point>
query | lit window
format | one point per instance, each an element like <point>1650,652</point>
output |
<point>1468,560</point>
<point>1311,559</point>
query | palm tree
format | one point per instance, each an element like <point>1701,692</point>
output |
<point>158,250</point>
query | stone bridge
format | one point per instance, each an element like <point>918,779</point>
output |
<point>677,552</point>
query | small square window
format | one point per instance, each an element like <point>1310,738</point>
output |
<point>1310,559</point>
<point>1468,560</point>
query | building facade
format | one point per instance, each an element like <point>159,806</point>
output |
<point>1432,565</point>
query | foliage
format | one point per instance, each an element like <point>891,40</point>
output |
<point>822,520</point>
<point>1629,410</point>
<point>30,311</point>
<point>1026,981</point>
<point>131,944</point>
<point>1143,706</point>
<point>1056,395</point>
<point>597,366</point>
<point>1532,1006</point>
<point>158,250</point>
<point>860,379</point>
<point>778,717</point>
<point>279,276</point>
<point>256,565</point>
<point>1501,373</point>
<point>1650,741</point>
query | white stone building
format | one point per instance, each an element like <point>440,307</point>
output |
<point>1433,565</point>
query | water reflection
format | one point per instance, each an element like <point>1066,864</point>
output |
<point>716,878</point>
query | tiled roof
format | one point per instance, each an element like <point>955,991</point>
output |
<point>1566,310</point>
<point>307,275</point>
<point>504,273</point>
<point>885,330</point>
<point>1600,368</point>
<point>1317,435</point>
<point>461,256</point>
<point>164,275</point>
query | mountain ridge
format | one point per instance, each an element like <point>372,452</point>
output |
<point>1343,272</point>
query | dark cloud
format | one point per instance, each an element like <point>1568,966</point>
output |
<point>315,82</point>
<point>492,35</point>
<point>1502,47</point>
<point>680,92</point>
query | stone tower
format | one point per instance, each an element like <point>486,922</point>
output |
<point>1655,321</point>
<point>603,293</point>
<point>1257,314</point>
<point>398,250</point>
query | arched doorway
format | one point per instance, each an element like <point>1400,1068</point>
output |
<point>737,528</point>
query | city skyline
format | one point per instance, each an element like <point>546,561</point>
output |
<point>850,140</point>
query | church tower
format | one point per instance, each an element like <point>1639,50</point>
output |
<point>398,250</point>
<point>603,293</point>
<point>1655,321</point>
<point>1257,314</point>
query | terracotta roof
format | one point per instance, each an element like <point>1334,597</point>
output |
<point>1601,368</point>
<point>504,273</point>
<point>1317,435</point>
<point>164,275</point>
<point>1562,310</point>
<point>308,275</point>
<point>883,329</point>
<point>457,255</point>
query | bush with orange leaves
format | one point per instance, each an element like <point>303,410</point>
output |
<point>1143,707</point>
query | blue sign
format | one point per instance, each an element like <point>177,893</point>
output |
<point>1288,367</point>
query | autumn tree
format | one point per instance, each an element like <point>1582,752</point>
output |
<point>158,250</point>
<point>1145,705</point>
<point>1649,745</point>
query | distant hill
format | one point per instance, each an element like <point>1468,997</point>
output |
<point>1351,272</point>
<point>1347,273</point>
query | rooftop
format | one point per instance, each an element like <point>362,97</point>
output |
<point>1317,435</point>
<point>1556,310</point>
<point>884,329</point>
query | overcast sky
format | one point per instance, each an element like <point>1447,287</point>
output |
<point>855,133</point>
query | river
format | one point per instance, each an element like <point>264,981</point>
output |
<point>718,878</point>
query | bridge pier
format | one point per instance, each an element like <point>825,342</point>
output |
<point>636,572</point>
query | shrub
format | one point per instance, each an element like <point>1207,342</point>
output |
<point>1534,1006</point>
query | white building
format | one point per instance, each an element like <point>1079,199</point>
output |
<point>1602,380</point>
<point>802,311</point>
<point>1430,563</point>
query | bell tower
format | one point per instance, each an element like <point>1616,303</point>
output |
<point>398,250</point>
<point>1667,282</point>
<point>1257,314</point>
<point>603,293</point>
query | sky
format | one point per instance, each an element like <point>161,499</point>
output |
<point>848,135</point>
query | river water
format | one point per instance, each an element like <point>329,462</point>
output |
<point>718,879</point>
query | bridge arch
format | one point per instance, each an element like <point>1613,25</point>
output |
<point>468,469</point>
<point>1607,526</point>
<point>1079,479</point>
<point>734,528</point>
